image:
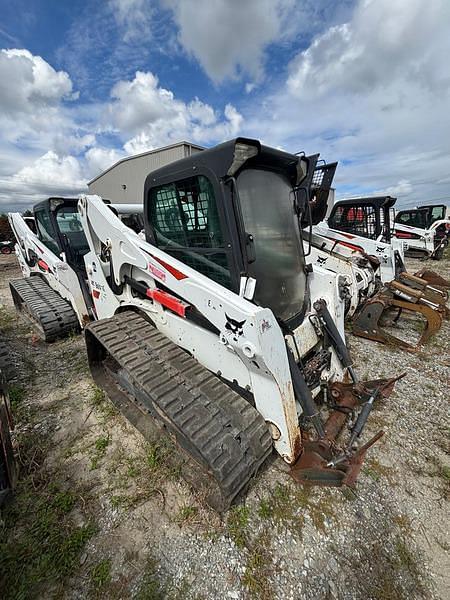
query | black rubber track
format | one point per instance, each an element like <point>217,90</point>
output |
<point>152,380</point>
<point>52,315</point>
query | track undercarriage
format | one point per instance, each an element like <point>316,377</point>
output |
<point>223,439</point>
<point>51,315</point>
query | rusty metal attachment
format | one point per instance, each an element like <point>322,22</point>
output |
<point>367,322</point>
<point>435,293</point>
<point>326,462</point>
<point>433,279</point>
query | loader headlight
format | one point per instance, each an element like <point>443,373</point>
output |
<point>242,152</point>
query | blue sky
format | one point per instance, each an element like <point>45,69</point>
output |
<point>360,81</point>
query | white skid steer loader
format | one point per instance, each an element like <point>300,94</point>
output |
<point>360,228</point>
<point>54,293</point>
<point>214,327</point>
<point>425,229</point>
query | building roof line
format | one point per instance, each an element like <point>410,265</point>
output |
<point>146,153</point>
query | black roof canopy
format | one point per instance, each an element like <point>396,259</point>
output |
<point>228,159</point>
<point>377,201</point>
<point>53,202</point>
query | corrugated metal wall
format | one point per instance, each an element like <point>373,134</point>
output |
<point>124,182</point>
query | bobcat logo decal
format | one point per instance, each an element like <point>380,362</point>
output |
<point>234,326</point>
<point>321,260</point>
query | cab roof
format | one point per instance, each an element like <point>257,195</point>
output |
<point>377,201</point>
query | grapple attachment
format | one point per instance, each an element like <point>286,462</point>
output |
<point>326,462</point>
<point>367,322</point>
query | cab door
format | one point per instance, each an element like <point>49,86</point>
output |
<point>46,231</point>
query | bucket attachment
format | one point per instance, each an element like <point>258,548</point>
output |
<point>323,460</point>
<point>367,322</point>
<point>433,279</point>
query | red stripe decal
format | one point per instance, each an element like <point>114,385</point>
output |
<point>352,246</point>
<point>403,234</point>
<point>347,244</point>
<point>177,306</point>
<point>347,235</point>
<point>172,270</point>
<point>43,265</point>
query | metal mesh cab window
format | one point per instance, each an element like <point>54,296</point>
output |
<point>186,224</point>
<point>357,219</point>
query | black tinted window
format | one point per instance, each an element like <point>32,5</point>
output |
<point>45,231</point>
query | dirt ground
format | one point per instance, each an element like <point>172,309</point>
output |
<point>98,513</point>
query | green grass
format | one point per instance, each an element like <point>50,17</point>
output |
<point>101,574</point>
<point>16,395</point>
<point>150,587</point>
<point>288,505</point>
<point>237,525</point>
<point>389,569</point>
<point>161,460</point>
<point>258,568</point>
<point>100,445</point>
<point>41,545</point>
<point>102,404</point>
<point>7,318</point>
<point>445,472</point>
<point>186,514</point>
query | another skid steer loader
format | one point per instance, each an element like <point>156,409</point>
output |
<point>216,329</point>
<point>361,227</point>
<point>54,292</point>
<point>425,229</point>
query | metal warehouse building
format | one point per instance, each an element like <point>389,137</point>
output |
<point>124,181</point>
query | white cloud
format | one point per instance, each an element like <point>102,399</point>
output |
<point>386,41</point>
<point>373,93</point>
<point>154,117</point>
<point>99,159</point>
<point>229,36</point>
<point>51,172</point>
<point>133,17</point>
<point>402,188</point>
<point>48,175</point>
<point>29,84</point>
